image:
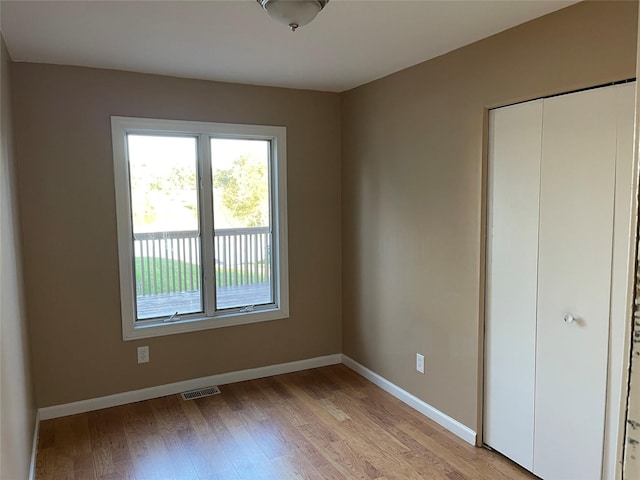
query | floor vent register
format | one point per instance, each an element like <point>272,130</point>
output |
<point>200,393</point>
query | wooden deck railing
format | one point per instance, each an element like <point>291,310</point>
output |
<point>170,262</point>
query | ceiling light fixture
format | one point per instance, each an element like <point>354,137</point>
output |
<point>293,13</point>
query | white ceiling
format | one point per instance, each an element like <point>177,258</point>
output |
<point>351,42</point>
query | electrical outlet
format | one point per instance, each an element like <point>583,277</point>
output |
<point>420,363</point>
<point>143,354</point>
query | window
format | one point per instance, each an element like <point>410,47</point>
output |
<point>202,224</point>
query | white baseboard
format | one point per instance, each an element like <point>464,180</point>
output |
<point>455,427</point>
<point>34,447</point>
<point>123,398</point>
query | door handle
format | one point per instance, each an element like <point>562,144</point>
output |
<point>569,318</point>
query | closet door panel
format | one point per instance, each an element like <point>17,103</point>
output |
<point>515,134</point>
<point>574,277</point>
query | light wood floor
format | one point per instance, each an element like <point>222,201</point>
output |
<point>327,423</point>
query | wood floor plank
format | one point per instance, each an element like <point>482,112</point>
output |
<point>197,423</point>
<point>45,463</point>
<point>353,434</point>
<point>368,425</point>
<point>83,467</point>
<point>102,461</point>
<point>46,435</point>
<point>72,434</point>
<point>329,472</point>
<point>63,469</point>
<point>427,467</point>
<point>245,443</point>
<point>226,475</point>
<point>322,424</point>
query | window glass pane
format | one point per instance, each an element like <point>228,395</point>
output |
<point>242,222</point>
<point>164,209</point>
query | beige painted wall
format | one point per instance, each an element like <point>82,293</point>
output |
<point>17,401</point>
<point>62,120</point>
<point>412,153</point>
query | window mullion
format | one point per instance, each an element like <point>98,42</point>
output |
<point>207,224</point>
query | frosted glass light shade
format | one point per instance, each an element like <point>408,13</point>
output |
<point>293,13</point>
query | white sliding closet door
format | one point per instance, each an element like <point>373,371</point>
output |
<point>512,262</point>
<point>574,278</point>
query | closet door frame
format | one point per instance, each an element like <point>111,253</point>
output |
<point>622,296</point>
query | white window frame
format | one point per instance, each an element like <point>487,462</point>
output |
<point>135,329</point>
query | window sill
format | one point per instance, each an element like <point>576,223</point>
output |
<point>194,324</point>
